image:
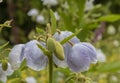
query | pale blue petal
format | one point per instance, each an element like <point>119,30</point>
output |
<point>92,52</point>
<point>78,59</point>
<point>14,56</point>
<point>34,56</point>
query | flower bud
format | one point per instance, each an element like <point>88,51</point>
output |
<point>50,44</point>
<point>4,65</point>
<point>59,52</point>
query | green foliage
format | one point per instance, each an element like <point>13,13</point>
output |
<point>53,21</point>
<point>109,18</point>
<point>4,45</point>
<point>109,67</point>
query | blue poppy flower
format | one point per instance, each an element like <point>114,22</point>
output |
<point>59,37</point>
<point>80,57</point>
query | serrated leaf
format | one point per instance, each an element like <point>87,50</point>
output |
<point>109,67</point>
<point>109,18</point>
<point>53,21</point>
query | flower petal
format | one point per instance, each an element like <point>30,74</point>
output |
<point>4,74</point>
<point>3,78</point>
<point>14,56</point>
<point>100,56</point>
<point>9,70</point>
<point>34,56</point>
<point>78,59</point>
<point>92,52</point>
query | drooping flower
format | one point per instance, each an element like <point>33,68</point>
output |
<point>14,56</point>
<point>34,56</point>
<point>80,57</point>
<point>4,74</point>
<point>66,46</point>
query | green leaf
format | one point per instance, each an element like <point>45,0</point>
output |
<point>23,65</point>
<point>6,24</point>
<point>45,51</point>
<point>1,81</point>
<point>109,67</point>
<point>2,46</point>
<point>81,5</point>
<point>67,20</point>
<point>53,21</point>
<point>109,18</point>
<point>69,78</point>
<point>17,80</point>
<point>40,31</point>
<point>71,36</point>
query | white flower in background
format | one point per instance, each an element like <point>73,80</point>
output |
<point>30,80</point>
<point>111,30</point>
<point>33,12</point>
<point>65,5</point>
<point>4,74</point>
<point>116,43</point>
<point>57,16</point>
<point>40,19</point>
<point>100,55</point>
<point>89,5</point>
<point>1,1</point>
<point>114,78</point>
<point>50,2</point>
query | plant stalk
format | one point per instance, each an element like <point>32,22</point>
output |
<point>51,69</point>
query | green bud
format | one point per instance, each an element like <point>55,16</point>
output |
<point>59,52</point>
<point>50,44</point>
<point>4,65</point>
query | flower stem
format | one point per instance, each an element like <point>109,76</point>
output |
<point>51,69</point>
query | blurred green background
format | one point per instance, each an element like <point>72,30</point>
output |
<point>98,19</point>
